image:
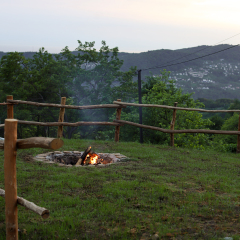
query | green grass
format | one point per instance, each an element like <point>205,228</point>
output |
<point>173,192</point>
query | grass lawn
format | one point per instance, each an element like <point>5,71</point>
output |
<point>161,191</point>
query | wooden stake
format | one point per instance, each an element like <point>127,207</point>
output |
<point>10,153</point>
<point>238,137</point>
<point>172,125</point>
<point>61,118</point>
<point>10,107</point>
<point>117,128</point>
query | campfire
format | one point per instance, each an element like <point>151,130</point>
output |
<point>76,158</point>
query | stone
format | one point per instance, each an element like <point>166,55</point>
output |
<point>76,152</point>
<point>43,155</point>
<point>101,165</point>
<point>40,157</point>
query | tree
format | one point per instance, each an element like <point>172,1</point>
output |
<point>162,91</point>
<point>85,77</point>
<point>97,78</point>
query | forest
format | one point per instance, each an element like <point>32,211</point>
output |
<point>88,76</point>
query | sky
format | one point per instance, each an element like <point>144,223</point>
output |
<point>131,25</point>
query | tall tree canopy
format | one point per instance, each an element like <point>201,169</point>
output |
<point>86,76</point>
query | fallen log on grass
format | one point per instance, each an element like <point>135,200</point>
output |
<point>37,142</point>
<point>43,212</point>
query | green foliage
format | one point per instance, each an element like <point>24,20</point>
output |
<point>228,143</point>
<point>162,91</point>
<point>217,122</point>
<point>85,77</point>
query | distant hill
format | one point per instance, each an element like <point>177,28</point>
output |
<point>162,57</point>
<point>213,77</point>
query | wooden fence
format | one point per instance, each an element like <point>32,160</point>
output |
<point>172,131</point>
<point>10,103</point>
<point>10,144</point>
<point>118,122</point>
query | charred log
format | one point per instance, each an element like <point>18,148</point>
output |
<point>84,155</point>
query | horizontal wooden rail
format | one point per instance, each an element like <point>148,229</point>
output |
<point>171,107</point>
<point>67,124</point>
<point>64,106</point>
<point>179,131</point>
<point>37,142</point>
<point>43,212</point>
<point>3,103</point>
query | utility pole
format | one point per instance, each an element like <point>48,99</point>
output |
<point>140,102</point>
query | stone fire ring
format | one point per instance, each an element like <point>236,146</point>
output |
<point>47,158</point>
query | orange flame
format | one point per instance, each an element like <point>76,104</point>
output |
<point>93,158</point>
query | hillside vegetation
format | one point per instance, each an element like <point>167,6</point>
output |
<point>216,76</point>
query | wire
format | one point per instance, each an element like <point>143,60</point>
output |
<point>191,59</point>
<point>202,49</point>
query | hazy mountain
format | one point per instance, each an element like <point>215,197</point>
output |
<point>215,76</point>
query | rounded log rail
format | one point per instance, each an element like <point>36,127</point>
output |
<point>67,124</point>
<point>171,107</point>
<point>64,106</point>
<point>179,131</point>
<point>43,212</point>
<point>37,142</point>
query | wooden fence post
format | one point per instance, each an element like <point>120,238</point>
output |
<point>9,107</point>
<point>10,153</point>
<point>238,136</point>
<point>61,118</point>
<point>117,128</point>
<point>172,125</point>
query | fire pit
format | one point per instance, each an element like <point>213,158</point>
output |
<point>79,159</point>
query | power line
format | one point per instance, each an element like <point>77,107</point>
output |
<point>190,59</point>
<point>202,49</point>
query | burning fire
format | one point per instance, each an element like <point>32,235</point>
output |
<point>93,158</point>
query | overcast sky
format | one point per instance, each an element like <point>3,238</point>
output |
<point>131,25</point>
